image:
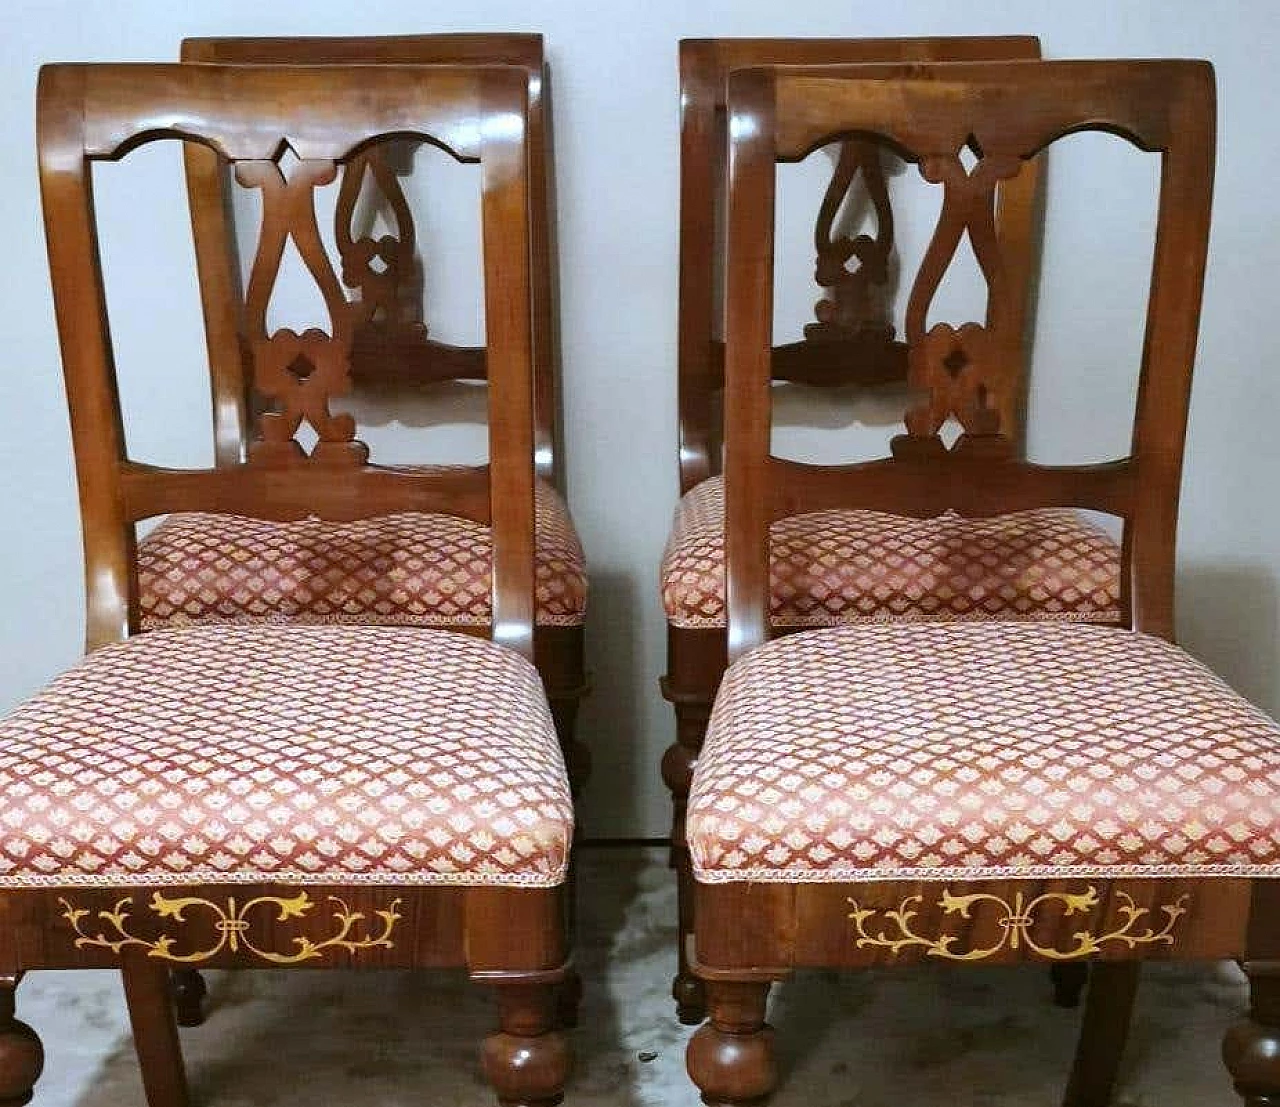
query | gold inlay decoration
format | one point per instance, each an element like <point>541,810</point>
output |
<point>1015,925</point>
<point>233,926</point>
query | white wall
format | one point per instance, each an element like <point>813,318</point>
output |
<point>616,131</point>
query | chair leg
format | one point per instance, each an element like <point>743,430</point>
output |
<point>568,1000</point>
<point>21,1054</point>
<point>677,771</point>
<point>577,758</point>
<point>1069,979</point>
<point>188,989</point>
<point>731,1058</point>
<point>155,1033</point>
<point>1108,1010</point>
<point>1251,1048</point>
<point>527,1061</point>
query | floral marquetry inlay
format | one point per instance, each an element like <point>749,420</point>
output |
<point>897,932</point>
<point>233,926</point>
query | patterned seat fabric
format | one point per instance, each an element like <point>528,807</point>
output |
<point>406,569</point>
<point>966,751</point>
<point>318,754</point>
<point>834,567</point>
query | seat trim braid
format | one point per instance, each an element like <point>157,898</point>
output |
<point>981,751</point>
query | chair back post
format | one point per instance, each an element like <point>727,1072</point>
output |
<point>97,431</point>
<point>326,115</point>
<point>1006,113</point>
<point>509,339</point>
<point>701,158</point>
<point>748,358</point>
<point>1169,343</point>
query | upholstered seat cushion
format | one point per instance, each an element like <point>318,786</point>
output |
<point>833,567</point>
<point>981,750</point>
<point>406,569</point>
<point>317,754</point>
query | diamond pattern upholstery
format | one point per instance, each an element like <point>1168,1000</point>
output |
<point>832,567</point>
<point>969,751</point>
<point>286,753</point>
<point>409,569</point>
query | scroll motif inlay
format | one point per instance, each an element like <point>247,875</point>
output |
<point>234,926</point>
<point>858,299</point>
<point>298,373</point>
<point>950,367</point>
<point>1016,920</point>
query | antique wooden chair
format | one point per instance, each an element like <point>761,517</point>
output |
<point>944,568</point>
<point>314,571</point>
<point>277,795</point>
<point>392,348</point>
<point>996,792</point>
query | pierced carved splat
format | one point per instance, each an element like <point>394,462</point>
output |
<point>951,366</point>
<point>858,299</point>
<point>391,340</point>
<point>385,271</point>
<point>298,373</point>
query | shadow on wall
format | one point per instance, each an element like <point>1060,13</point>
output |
<point>1227,617</point>
<point>609,719</point>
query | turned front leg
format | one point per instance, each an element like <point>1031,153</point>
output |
<point>1251,1048</point>
<point>21,1055</point>
<point>527,1061</point>
<point>731,1058</point>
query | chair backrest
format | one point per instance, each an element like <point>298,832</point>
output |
<point>393,345</point>
<point>1003,113</point>
<point>847,344</point>
<point>250,116</point>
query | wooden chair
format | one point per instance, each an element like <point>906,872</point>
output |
<point>185,576</point>
<point>920,569</point>
<point>884,794</point>
<point>392,348</point>
<point>327,796</point>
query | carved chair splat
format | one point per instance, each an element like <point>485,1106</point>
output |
<point>224,880</point>
<point>811,823</point>
<point>852,342</point>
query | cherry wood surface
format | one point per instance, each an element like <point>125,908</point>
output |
<point>1005,112</point>
<point>850,343</point>
<point>512,938</point>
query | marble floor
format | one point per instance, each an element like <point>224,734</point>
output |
<point>965,1037</point>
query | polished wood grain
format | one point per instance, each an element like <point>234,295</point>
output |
<point>512,938</point>
<point>1006,113</point>
<point>850,343</point>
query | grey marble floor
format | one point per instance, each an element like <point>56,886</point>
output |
<point>963,1037</point>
